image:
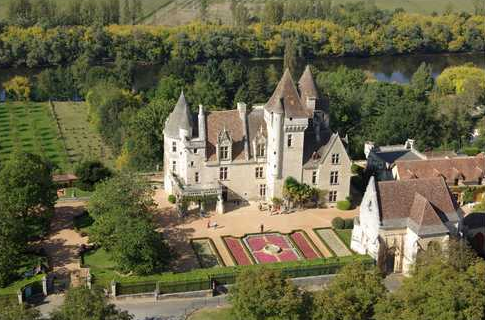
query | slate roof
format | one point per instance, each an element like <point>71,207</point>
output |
<point>315,152</point>
<point>423,205</point>
<point>286,100</point>
<point>392,156</point>
<point>180,118</point>
<point>465,168</point>
<point>306,86</point>
<point>475,220</point>
<point>256,123</point>
<point>229,120</point>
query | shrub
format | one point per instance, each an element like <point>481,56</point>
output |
<point>349,223</point>
<point>356,169</point>
<point>172,199</point>
<point>344,205</point>
<point>338,223</point>
<point>471,151</point>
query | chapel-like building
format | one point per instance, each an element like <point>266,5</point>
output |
<point>246,154</point>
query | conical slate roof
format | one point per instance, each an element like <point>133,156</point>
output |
<point>180,118</point>
<point>307,86</point>
<point>286,100</point>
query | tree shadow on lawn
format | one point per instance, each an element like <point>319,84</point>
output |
<point>179,241</point>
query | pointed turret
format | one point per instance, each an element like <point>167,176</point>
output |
<point>285,99</point>
<point>307,87</point>
<point>179,119</point>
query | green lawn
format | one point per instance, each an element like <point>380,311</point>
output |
<point>14,287</point>
<point>81,138</point>
<point>30,127</point>
<point>212,314</point>
<point>345,235</point>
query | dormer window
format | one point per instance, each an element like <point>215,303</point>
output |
<point>224,154</point>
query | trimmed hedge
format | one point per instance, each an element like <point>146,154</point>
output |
<point>344,205</point>
<point>339,223</point>
<point>172,199</point>
<point>200,279</point>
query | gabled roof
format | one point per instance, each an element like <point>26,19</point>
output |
<point>462,168</point>
<point>286,100</point>
<point>217,122</point>
<point>307,86</point>
<point>180,118</point>
<point>423,205</point>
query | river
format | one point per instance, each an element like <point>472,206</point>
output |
<point>384,68</point>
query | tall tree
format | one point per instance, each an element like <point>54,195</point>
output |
<point>273,12</point>
<point>265,294</point>
<point>86,304</point>
<point>290,56</point>
<point>351,295</point>
<point>422,82</point>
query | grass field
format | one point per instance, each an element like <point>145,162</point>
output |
<point>30,127</point>
<point>212,314</point>
<point>81,138</point>
<point>176,12</point>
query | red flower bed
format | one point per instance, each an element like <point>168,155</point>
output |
<point>278,240</point>
<point>304,246</point>
<point>287,255</point>
<point>237,250</point>
<point>256,243</point>
<point>263,257</point>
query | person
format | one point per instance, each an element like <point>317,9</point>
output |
<point>208,223</point>
<point>262,228</point>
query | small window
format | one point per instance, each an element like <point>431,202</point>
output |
<point>262,190</point>
<point>259,173</point>
<point>174,146</point>
<point>332,196</point>
<point>191,164</point>
<point>334,177</point>
<point>335,158</point>
<point>196,177</point>
<point>224,153</point>
<point>174,166</point>
<point>260,150</point>
<point>290,140</point>
<point>223,173</point>
<point>196,150</point>
<point>314,177</point>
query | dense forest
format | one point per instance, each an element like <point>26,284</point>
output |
<point>357,29</point>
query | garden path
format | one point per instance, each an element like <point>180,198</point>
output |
<point>239,221</point>
<point>63,241</point>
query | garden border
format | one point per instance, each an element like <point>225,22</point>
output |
<point>324,242</point>
<point>345,244</point>
<point>213,247</point>
<point>250,256</point>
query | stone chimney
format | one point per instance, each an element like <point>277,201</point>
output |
<point>409,144</point>
<point>368,147</point>
<point>201,119</point>
<point>242,108</point>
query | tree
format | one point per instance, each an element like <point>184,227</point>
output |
<point>273,12</point>
<point>422,81</point>
<point>18,88</point>
<point>14,311</point>
<point>138,247</point>
<point>26,186</point>
<point>290,56</point>
<point>351,295</point>
<point>265,294</point>
<point>82,303</point>
<point>438,289</point>
<point>12,246</point>
<point>204,6</point>
<point>124,192</point>
<point>91,172</point>
<point>257,86</point>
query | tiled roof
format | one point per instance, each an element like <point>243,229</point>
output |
<point>466,168</point>
<point>395,155</point>
<point>230,120</point>
<point>180,118</point>
<point>307,86</point>
<point>423,204</point>
<point>286,99</point>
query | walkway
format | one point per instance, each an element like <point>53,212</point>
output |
<point>237,222</point>
<point>63,241</point>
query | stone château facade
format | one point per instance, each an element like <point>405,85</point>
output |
<point>246,154</point>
